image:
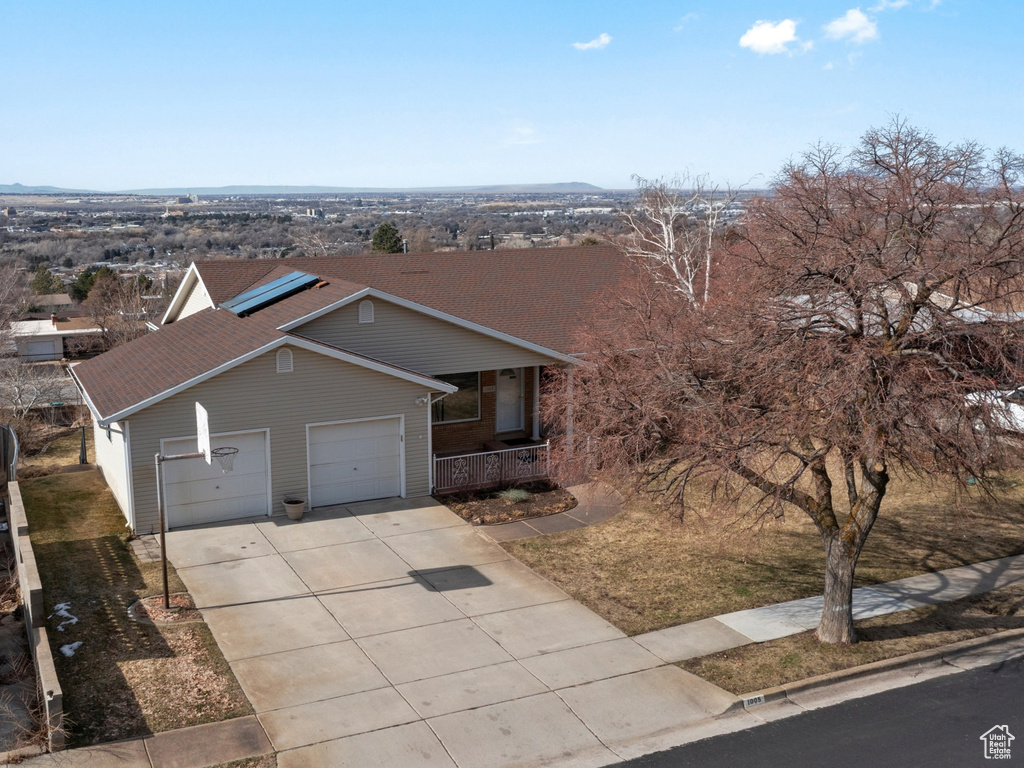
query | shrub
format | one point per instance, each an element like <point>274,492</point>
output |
<point>514,495</point>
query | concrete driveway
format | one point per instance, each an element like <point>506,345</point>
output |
<point>393,633</point>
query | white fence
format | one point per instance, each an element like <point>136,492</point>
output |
<point>478,470</point>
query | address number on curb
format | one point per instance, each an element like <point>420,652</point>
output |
<point>753,701</point>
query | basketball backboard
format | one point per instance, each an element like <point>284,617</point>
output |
<point>203,432</point>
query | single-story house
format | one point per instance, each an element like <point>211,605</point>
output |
<point>54,338</point>
<point>341,379</point>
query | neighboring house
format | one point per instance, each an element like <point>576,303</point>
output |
<point>341,378</point>
<point>55,338</point>
<point>52,302</point>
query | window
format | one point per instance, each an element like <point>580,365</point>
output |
<point>463,405</point>
<point>284,361</point>
<point>365,311</point>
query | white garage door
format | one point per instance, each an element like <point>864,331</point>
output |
<point>200,493</point>
<point>355,461</point>
<point>43,350</point>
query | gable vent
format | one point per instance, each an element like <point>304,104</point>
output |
<point>365,311</point>
<point>284,361</point>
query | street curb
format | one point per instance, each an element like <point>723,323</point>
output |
<point>1008,637</point>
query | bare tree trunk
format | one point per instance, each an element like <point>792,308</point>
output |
<point>843,546</point>
<point>837,611</point>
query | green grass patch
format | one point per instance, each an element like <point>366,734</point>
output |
<point>126,679</point>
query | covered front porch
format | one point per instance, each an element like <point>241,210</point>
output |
<point>490,432</point>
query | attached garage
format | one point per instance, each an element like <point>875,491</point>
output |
<point>47,349</point>
<point>355,460</point>
<point>197,493</point>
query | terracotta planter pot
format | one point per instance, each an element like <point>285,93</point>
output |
<point>294,508</point>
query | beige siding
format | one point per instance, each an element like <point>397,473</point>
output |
<point>255,396</point>
<point>197,300</point>
<point>109,451</point>
<point>417,341</point>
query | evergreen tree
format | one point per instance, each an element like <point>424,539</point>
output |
<point>45,282</point>
<point>386,239</point>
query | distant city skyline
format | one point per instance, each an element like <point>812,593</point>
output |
<point>113,95</point>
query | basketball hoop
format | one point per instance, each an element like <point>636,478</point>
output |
<point>225,457</point>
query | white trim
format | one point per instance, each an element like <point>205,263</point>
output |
<point>306,344</point>
<point>535,405</point>
<point>435,313</point>
<point>191,277</point>
<point>270,471</point>
<point>129,476</point>
<point>401,450</point>
<point>430,442</point>
<point>88,400</point>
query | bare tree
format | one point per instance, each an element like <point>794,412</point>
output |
<point>118,309</point>
<point>868,301</point>
<point>673,225</point>
<point>25,386</point>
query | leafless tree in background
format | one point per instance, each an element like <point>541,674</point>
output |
<point>673,225</point>
<point>863,307</point>
<point>118,309</point>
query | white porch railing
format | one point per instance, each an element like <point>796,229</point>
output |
<point>478,470</point>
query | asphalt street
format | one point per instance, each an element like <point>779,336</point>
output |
<point>936,723</point>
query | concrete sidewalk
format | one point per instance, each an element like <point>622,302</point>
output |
<point>757,625</point>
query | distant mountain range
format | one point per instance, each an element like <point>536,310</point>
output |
<point>21,189</point>
<point>572,186</point>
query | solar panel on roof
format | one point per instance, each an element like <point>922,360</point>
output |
<point>275,290</point>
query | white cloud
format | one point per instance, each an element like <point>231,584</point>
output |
<point>889,5</point>
<point>684,20</point>
<point>523,134</point>
<point>854,25</point>
<point>770,37</point>
<point>596,44</point>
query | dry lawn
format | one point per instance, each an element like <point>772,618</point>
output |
<point>764,665</point>
<point>646,570</point>
<point>63,450</point>
<point>127,679</point>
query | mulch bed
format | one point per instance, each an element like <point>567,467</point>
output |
<point>150,610</point>
<point>488,508</point>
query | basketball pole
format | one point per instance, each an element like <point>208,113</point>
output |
<point>160,459</point>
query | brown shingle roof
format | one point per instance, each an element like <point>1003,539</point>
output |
<point>536,294</point>
<point>181,351</point>
<point>539,295</point>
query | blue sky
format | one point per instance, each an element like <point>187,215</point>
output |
<point>117,95</point>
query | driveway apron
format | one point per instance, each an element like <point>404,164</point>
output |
<point>393,633</point>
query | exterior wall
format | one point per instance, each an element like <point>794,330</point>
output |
<point>111,459</point>
<point>416,341</point>
<point>472,435</point>
<point>197,300</point>
<point>255,396</point>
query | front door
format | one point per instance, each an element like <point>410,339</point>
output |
<point>510,400</point>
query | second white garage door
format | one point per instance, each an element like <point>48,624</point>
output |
<point>354,461</point>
